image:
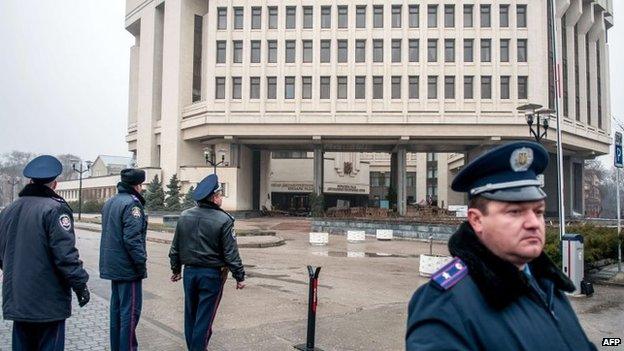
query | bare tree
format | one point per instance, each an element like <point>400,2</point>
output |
<point>67,160</point>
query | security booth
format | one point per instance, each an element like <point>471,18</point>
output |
<point>572,252</point>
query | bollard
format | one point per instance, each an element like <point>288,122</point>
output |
<point>312,303</point>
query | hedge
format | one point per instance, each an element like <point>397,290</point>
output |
<point>600,243</point>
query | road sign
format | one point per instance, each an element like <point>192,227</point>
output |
<point>618,150</point>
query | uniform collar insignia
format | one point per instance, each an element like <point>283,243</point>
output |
<point>449,275</point>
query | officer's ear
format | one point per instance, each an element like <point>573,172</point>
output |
<point>475,218</point>
<point>52,185</point>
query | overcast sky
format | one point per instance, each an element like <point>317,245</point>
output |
<point>64,76</point>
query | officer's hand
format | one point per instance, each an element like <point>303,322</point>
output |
<point>175,277</point>
<point>83,296</point>
<point>240,285</point>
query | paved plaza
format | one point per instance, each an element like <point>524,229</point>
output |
<point>363,294</point>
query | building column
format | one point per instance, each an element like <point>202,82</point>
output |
<point>265,179</point>
<point>401,191</point>
<point>319,156</point>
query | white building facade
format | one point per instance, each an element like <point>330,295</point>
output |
<point>343,81</point>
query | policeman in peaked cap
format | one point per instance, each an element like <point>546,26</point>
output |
<point>37,292</point>
<point>500,291</point>
<point>205,244</point>
<point>123,257</point>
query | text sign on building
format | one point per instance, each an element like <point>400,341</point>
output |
<point>618,150</point>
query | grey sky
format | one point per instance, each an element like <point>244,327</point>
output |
<point>64,76</point>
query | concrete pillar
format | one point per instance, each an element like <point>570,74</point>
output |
<point>401,167</point>
<point>393,171</point>
<point>318,169</point>
<point>265,179</point>
<point>421,177</point>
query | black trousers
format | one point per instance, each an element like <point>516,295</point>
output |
<point>49,336</point>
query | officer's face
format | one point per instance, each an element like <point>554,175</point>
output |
<point>217,198</point>
<point>512,231</point>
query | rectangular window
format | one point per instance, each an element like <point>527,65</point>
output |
<point>325,87</point>
<point>486,50</point>
<point>522,50</point>
<point>396,16</point>
<point>360,87</point>
<point>504,16</point>
<point>237,51</point>
<point>521,16</point>
<point>449,50</point>
<point>219,88</point>
<point>221,51</point>
<point>254,87</point>
<point>291,17</point>
<point>432,16</point>
<point>432,50</point>
<point>272,17</point>
<point>414,50</point>
<point>432,87</point>
<point>222,18</point>
<point>504,50</point>
<point>236,87</point>
<point>360,50</point>
<point>413,87</point>
<point>449,16</point>
<point>343,50</point>
<point>378,16</point>
<point>255,51</point>
<point>342,87</point>
<point>504,87</point>
<point>306,87</point>
<point>523,87</point>
<point>486,87</point>
<point>289,88</point>
<point>343,16</point>
<point>197,57</point>
<point>360,16</point>
<point>325,16</point>
<point>449,87</point>
<point>272,51</point>
<point>468,16</point>
<point>290,51</point>
<point>414,14</point>
<point>307,17</point>
<point>238,18</point>
<point>396,87</point>
<point>396,50</point>
<point>468,87</point>
<point>256,17</point>
<point>378,50</point>
<point>307,51</point>
<point>325,50</point>
<point>377,87</point>
<point>468,50</point>
<point>271,88</point>
<point>486,16</point>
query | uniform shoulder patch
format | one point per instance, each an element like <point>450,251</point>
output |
<point>449,275</point>
<point>136,212</point>
<point>135,198</point>
<point>65,222</point>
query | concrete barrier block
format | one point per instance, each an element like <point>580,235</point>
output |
<point>356,236</point>
<point>430,264</point>
<point>384,234</point>
<point>317,238</point>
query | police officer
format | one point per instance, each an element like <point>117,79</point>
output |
<point>500,292</point>
<point>205,243</point>
<point>39,260</point>
<point>123,257</point>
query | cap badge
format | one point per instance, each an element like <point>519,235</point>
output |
<point>521,159</point>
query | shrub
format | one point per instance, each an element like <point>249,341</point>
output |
<point>599,242</point>
<point>317,205</point>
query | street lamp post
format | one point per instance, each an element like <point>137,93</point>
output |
<point>209,156</point>
<point>80,171</point>
<point>13,182</point>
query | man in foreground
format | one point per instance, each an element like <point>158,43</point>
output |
<point>205,243</point>
<point>500,292</point>
<point>123,257</point>
<point>39,260</point>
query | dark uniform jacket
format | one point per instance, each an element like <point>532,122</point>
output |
<point>494,306</point>
<point>123,253</point>
<point>38,257</point>
<point>205,237</point>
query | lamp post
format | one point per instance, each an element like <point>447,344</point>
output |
<point>537,118</point>
<point>13,182</point>
<point>209,156</point>
<point>80,171</point>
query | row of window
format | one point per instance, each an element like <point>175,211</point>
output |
<point>342,50</point>
<point>360,85</point>
<point>396,19</point>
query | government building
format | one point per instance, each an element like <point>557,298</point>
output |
<point>361,99</point>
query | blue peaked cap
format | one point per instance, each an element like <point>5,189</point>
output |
<point>206,187</point>
<point>43,169</point>
<point>505,173</point>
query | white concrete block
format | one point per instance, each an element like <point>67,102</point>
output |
<point>356,236</point>
<point>384,234</point>
<point>430,264</point>
<point>319,238</point>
